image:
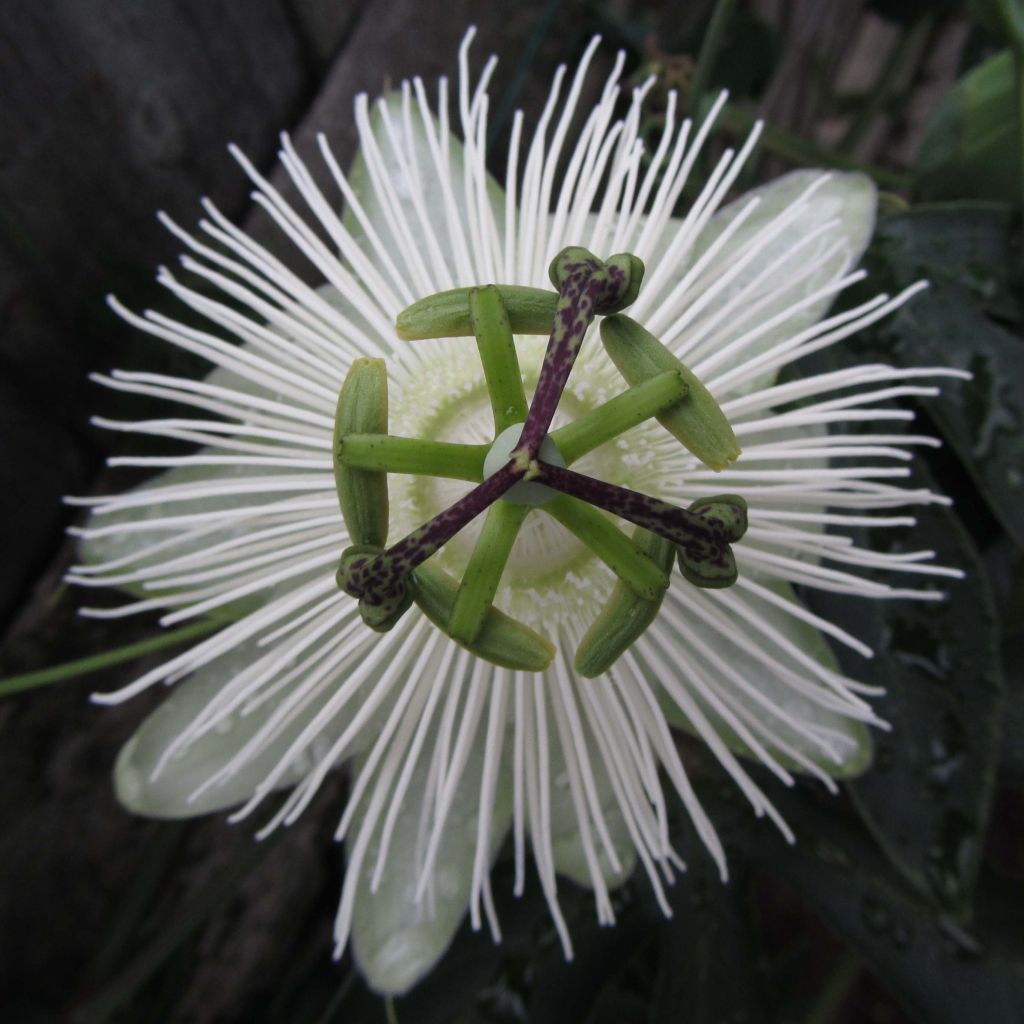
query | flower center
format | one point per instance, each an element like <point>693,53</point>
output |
<point>519,466</point>
<point>441,396</point>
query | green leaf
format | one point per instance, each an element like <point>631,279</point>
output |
<point>940,970</point>
<point>1005,565</point>
<point>971,146</point>
<point>706,969</point>
<point>928,797</point>
<point>955,247</point>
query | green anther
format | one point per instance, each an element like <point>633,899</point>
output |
<point>386,453</point>
<point>625,616</point>
<point>483,573</point>
<point>698,422</point>
<point>502,640</point>
<point>447,314</point>
<point>643,576</point>
<point>653,397</point>
<point>494,339</point>
<point>362,493</point>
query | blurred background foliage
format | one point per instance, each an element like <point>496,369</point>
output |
<point>903,899</point>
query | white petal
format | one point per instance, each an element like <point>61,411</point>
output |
<point>569,855</point>
<point>103,545</point>
<point>177,790</point>
<point>826,237</point>
<point>395,939</point>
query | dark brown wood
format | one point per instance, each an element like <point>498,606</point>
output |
<point>111,110</point>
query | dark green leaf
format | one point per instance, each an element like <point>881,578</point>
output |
<point>929,793</point>
<point>1004,18</point>
<point>706,965</point>
<point>971,146</point>
<point>956,247</point>
<point>1006,569</point>
<point>973,246</point>
<point>1011,748</point>
<point>941,971</point>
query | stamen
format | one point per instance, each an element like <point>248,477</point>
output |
<point>483,573</point>
<point>523,464</point>
<point>610,544</point>
<point>698,423</point>
<point>493,329</point>
<point>362,493</point>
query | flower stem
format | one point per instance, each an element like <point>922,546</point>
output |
<point>493,330</point>
<point>389,454</point>
<point>710,47</point>
<point>84,666</point>
<point>593,429</point>
<point>610,544</point>
<point>483,573</point>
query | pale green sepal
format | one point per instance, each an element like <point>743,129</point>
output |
<point>395,940</point>
<point>849,197</point>
<point>167,796</point>
<point>856,757</point>
<point>435,202</point>
<point>94,550</point>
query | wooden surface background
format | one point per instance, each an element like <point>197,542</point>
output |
<point>110,110</point>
